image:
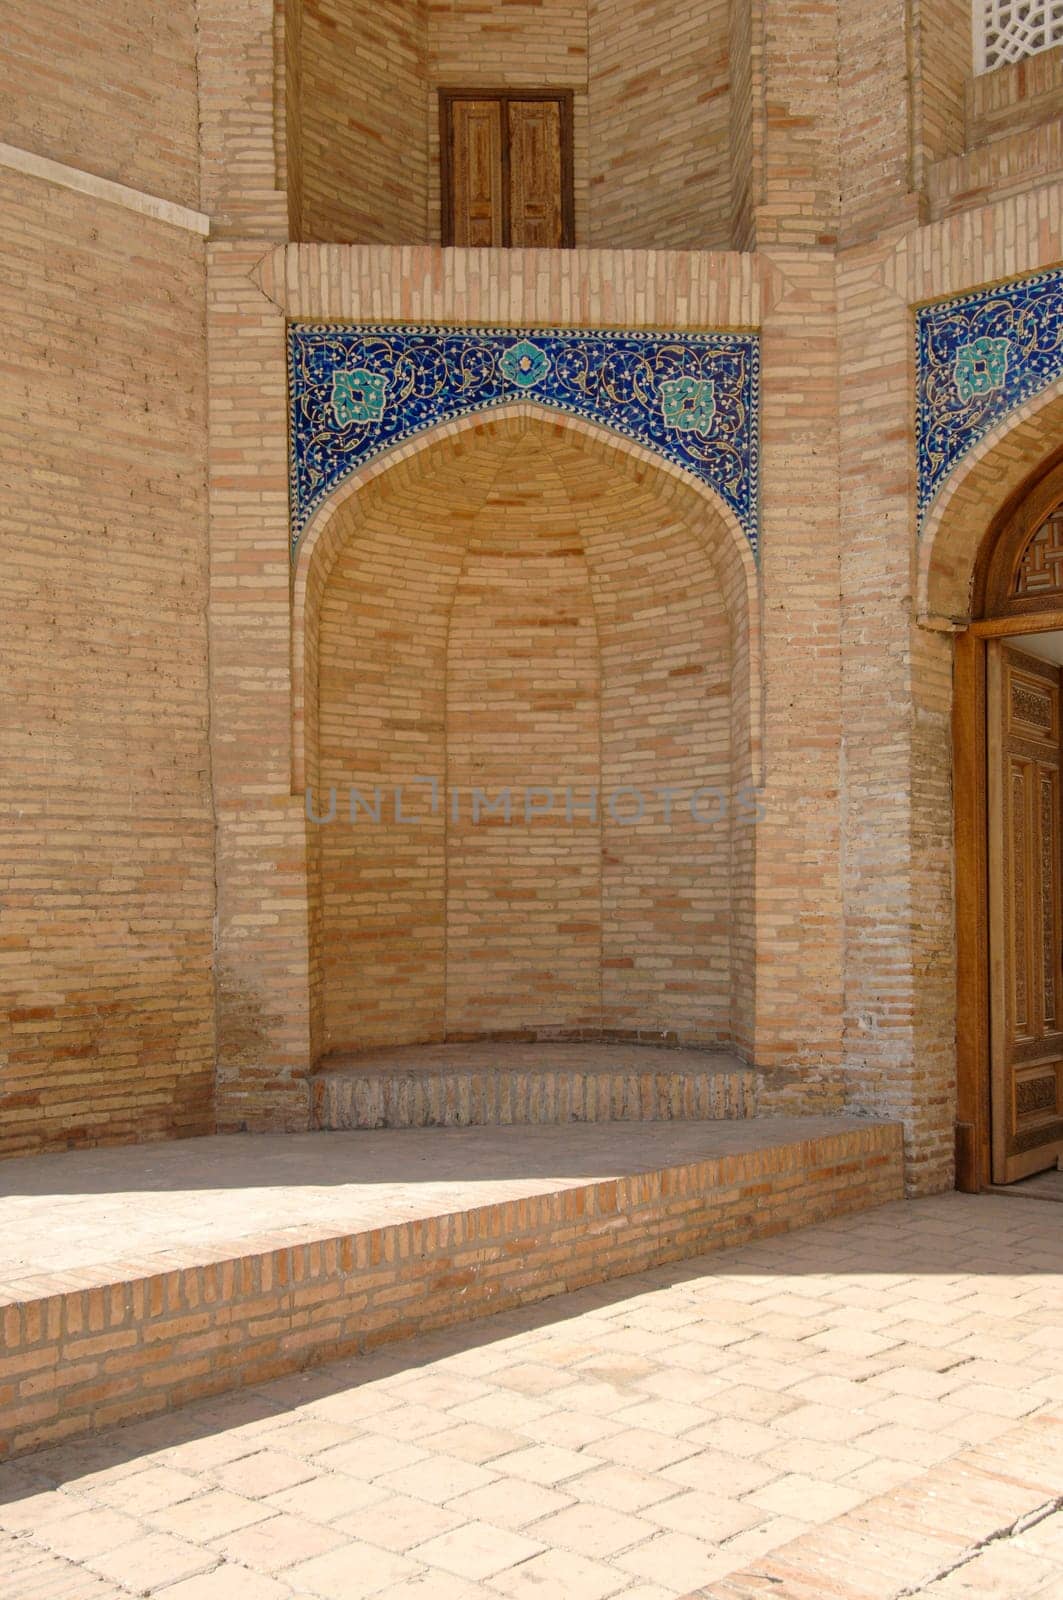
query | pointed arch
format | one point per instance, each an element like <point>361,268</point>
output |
<point>681,602</point>
<point>979,504</point>
<point>972,498</point>
<point>333,521</point>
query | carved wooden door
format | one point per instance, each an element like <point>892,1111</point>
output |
<point>536,178</point>
<point>476,172</point>
<point>507,168</point>
<point>1025,921</point>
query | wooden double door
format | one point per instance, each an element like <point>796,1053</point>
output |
<point>1025,915</point>
<point>506,168</point>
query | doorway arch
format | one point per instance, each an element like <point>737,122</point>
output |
<point>998,586</point>
<point>523,601</point>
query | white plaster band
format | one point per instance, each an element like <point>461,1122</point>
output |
<point>149,205</point>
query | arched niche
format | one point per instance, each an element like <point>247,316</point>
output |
<point>521,601</point>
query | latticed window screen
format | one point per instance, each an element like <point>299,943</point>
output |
<point>1039,569</point>
<point>1007,30</point>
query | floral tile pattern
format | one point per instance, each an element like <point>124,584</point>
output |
<point>356,391</point>
<point>978,357</point>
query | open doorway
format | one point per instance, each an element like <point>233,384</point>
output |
<point>1009,850</point>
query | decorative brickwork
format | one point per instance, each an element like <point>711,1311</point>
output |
<point>1040,571</point>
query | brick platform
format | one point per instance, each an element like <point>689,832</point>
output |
<point>187,1269</point>
<point>488,1083</point>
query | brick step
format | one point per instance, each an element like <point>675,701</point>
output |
<point>498,1084</point>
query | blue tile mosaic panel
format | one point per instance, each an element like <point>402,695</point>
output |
<point>979,356</point>
<point>356,391</point>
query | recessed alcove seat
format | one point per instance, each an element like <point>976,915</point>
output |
<point>496,1083</point>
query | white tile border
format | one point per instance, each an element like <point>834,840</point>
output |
<point>149,205</point>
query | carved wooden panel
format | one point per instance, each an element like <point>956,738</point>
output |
<point>1032,707</point>
<point>1039,569</point>
<point>1018,885</point>
<point>1050,909</point>
<point>535,179</point>
<point>477,210</point>
<point>1034,1096</point>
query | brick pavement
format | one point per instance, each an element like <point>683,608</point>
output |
<point>986,1523</point>
<point>646,1438</point>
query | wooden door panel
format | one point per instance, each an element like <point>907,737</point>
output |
<point>535,174</point>
<point>1025,916</point>
<point>477,205</point>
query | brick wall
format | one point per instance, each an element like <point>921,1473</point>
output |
<point>942,36</point>
<point>108,87</point>
<point>244,77</point>
<point>745,132</point>
<point>497,621</point>
<point>794,104</point>
<point>660,123</point>
<point>874,134</point>
<point>1012,137</point>
<point>800,936</point>
<point>288,107</point>
<point>106,1029</point>
<point>262,960</point>
<point>1014,99</point>
<point>364,100</point>
<point>844,952</point>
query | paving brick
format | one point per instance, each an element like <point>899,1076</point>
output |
<point>151,1562</point>
<point>554,1572</point>
<point>88,1533</point>
<point>263,1473</point>
<point>498,1504</point>
<point>209,1515</point>
<point>280,1541</point>
<point>548,1465</point>
<point>476,1550</point>
<point>683,1560</point>
<point>594,1530</point>
<point>326,1499</point>
<point>229,1583</point>
<point>623,1488</point>
<point>439,1479</point>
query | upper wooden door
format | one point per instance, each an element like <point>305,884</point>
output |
<point>1025,913</point>
<point>507,168</point>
